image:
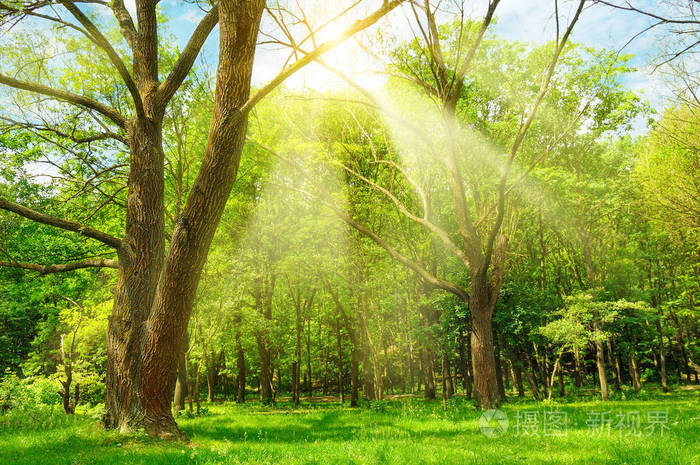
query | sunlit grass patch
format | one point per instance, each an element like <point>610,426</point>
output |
<point>406,431</point>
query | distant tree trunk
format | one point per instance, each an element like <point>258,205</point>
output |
<point>463,363</point>
<point>447,376</point>
<point>341,390</point>
<point>517,372</point>
<point>662,354</point>
<point>310,384</point>
<point>181,390</point>
<point>211,376</point>
<point>634,372</point>
<point>530,372</point>
<point>499,370</point>
<point>197,387</point>
<point>600,360</point>
<point>354,374</point>
<point>615,361</point>
<point>469,381</point>
<point>578,371</point>
<point>241,378</point>
<point>562,391</point>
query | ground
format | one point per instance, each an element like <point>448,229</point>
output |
<point>652,429</point>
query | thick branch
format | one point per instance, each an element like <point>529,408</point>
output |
<point>523,131</point>
<point>60,223</point>
<point>102,41</point>
<point>184,63</point>
<point>66,96</point>
<point>126,24</point>
<point>48,269</point>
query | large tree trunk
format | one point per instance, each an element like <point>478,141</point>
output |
<point>141,258</point>
<point>486,391</point>
<point>153,300</point>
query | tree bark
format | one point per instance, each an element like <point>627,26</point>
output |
<point>181,383</point>
<point>486,391</point>
<point>662,354</point>
<point>600,360</point>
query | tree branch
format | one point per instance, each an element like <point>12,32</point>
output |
<point>49,269</point>
<point>184,63</point>
<point>102,41</point>
<point>60,223</point>
<point>66,96</point>
<point>426,276</point>
<point>126,24</point>
<point>357,26</point>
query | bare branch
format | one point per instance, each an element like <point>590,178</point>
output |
<point>66,96</point>
<point>324,197</point>
<point>357,26</point>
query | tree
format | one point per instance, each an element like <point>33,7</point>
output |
<point>156,290</point>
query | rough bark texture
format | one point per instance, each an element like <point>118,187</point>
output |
<point>154,295</point>
<point>486,391</point>
<point>181,391</point>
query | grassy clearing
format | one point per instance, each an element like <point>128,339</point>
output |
<point>407,431</point>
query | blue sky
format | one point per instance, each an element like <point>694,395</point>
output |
<point>523,20</point>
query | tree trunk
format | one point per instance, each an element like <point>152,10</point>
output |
<point>354,381</point>
<point>211,376</point>
<point>578,371</point>
<point>447,376</point>
<point>662,355</point>
<point>600,360</point>
<point>310,384</point>
<point>499,372</point>
<point>517,379</point>
<point>634,372</point>
<point>265,371</point>
<point>530,372</point>
<point>240,365</point>
<point>486,391</point>
<point>181,383</point>
<point>154,298</point>
<point>615,361</point>
<point>341,391</point>
<point>428,374</point>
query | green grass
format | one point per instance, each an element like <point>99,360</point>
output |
<point>407,431</point>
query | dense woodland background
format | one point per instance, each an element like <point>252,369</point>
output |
<point>597,253</point>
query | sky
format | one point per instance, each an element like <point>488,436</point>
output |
<point>529,21</point>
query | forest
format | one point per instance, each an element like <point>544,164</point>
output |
<point>368,232</point>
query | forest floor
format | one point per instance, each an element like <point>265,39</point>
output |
<point>652,429</point>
